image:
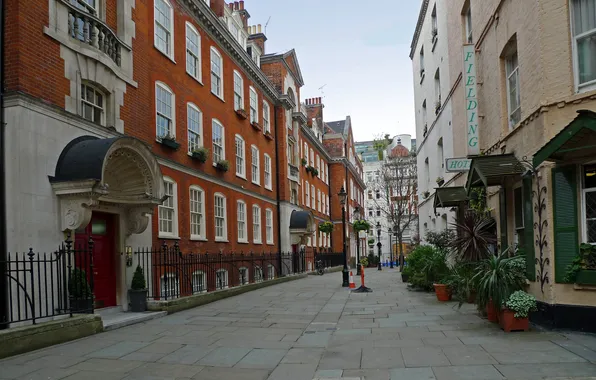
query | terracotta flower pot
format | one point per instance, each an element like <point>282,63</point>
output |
<point>443,293</point>
<point>509,323</point>
<point>492,312</point>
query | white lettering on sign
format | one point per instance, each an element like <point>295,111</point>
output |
<point>471,100</point>
<point>453,165</point>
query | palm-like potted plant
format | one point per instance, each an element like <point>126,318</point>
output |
<point>515,316</point>
<point>79,291</point>
<point>475,235</point>
<point>200,154</point>
<point>138,292</point>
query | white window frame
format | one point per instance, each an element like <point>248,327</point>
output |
<point>468,25</point>
<point>584,191</point>
<point>172,117</point>
<point>268,178</point>
<point>305,152</point>
<point>190,107</point>
<point>224,235</point>
<point>166,285</point>
<point>258,274</point>
<point>266,117</point>
<point>200,212</point>
<point>218,74</point>
<point>312,197</point>
<point>93,104</point>
<point>257,225</point>
<point>240,148</point>
<point>243,276</point>
<point>238,91</point>
<point>255,165</point>
<point>192,56</point>
<point>173,208</point>
<point>216,123</point>
<point>319,200</point>
<point>199,286</point>
<point>269,226</point>
<point>241,221</point>
<point>254,105</point>
<point>270,272</point>
<point>221,279</point>
<point>590,85</point>
<point>510,73</point>
<point>156,24</point>
<point>307,195</point>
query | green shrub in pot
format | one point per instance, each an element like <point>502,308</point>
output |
<point>521,303</point>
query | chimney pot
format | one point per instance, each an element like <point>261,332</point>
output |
<point>307,101</point>
<point>241,4</point>
<point>259,28</point>
<point>236,5</point>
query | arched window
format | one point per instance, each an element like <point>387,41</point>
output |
<point>258,274</point>
<point>195,127</point>
<point>219,141</point>
<point>216,73</point>
<point>267,172</point>
<point>199,282</point>
<point>221,279</point>
<point>240,157</point>
<point>243,274</point>
<point>254,105</point>
<point>238,91</point>
<point>165,118</point>
<point>168,215</point>
<point>221,230</point>
<point>193,51</point>
<point>164,27</point>
<point>256,175</point>
<point>270,272</point>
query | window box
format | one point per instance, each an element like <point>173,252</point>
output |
<point>269,135</point>
<point>200,154</point>
<point>242,113</point>
<point>304,162</point>
<point>223,166</point>
<point>586,277</point>
<point>256,126</point>
<point>170,142</point>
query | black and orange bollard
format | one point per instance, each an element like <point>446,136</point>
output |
<point>362,288</point>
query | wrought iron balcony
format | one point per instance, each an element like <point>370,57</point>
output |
<point>86,27</point>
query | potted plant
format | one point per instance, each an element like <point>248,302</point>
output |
<point>137,294</point>
<point>361,225</point>
<point>584,261</point>
<point>326,227</point>
<point>515,314</point>
<point>303,161</point>
<point>80,295</point>
<point>364,262</point>
<point>436,270</point>
<point>200,154</point>
<point>371,242</point>
<point>241,113</point>
<point>314,172</point>
<point>461,282</point>
<point>255,124</point>
<point>440,181</point>
<point>405,274</point>
<point>475,234</point>
<point>308,169</point>
<point>169,140</point>
<point>222,166</point>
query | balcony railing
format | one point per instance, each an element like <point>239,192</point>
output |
<point>89,29</point>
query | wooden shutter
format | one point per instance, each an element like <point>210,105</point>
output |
<point>529,235</point>
<point>565,218</point>
<point>503,219</point>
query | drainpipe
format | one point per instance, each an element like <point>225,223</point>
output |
<point>3,243</point>
<point>277,196</point>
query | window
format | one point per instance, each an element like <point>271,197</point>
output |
<point>378,211</point>
<point>199,282</point>
<point>468,26</point>
<point>240,162</point>
<point>589,203</point>
<point>583,16</point>
<point>243,274</point>
<point>422,61</point>
<point>518,204</point>
<point>221,279</point>
<point>319,201</point>
<point>291,152</point>
<point>312,197</point>
<point>197,212</point>
<point>268,184</point>
<point>170,286</point>
<point>307,195</point>
<point>163,15</point>
<point>437,91</point>
<point>312,158</point>
<point>238,91</point>
<point>241,217</point>
<point>254,106</point>
<point>195,127</point>
<point>193,52</point>
<point>270,272</point>
<point>256,224</point>
<point>289,119</point>
<point>266,116</point>
<point>269,226</point>
<point>258,274</point>
<point>168,222</point>
<point>219,152</point>
<point>256,178</point>
<point>305,152</point>
<point>164,100</point>
<point>221,233</point>
<point>370,212</point>
<point>378,194</point>
<point>435,27</point>
<point>216,73</point>
<point>513,97</point>
<point>92,104</point>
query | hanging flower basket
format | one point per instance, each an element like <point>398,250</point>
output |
<point>241,113</point>
<point>361,225</point>
<point>200,154</point>
<point>223,166</point>
<point>326,227</point>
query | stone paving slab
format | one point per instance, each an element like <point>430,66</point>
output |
<point>314,328</point>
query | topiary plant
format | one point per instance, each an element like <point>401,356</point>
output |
<point>364,261</point>
<point>138,280</point>
<point>78,287</point>
<point>521,303</point>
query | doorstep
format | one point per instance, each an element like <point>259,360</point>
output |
<point>114,318</point>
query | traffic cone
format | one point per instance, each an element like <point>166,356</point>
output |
<point>352,284</point>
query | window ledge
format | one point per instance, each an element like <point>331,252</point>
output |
<point>435,43</point>
<point>268,188</point>
<point>221,240</point>
<point>198,80</point>
<point>243,241</point>
<point>218,97</point>
<point>270,243</point>
<point>198,238</point>
<point>168,237</point>
<point>257,242</point>
<point>164,54</point>
<point>238,175</point>
<point>256,183</point>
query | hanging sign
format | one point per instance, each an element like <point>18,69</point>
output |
<point>454,165</point>
<point>469,77</point>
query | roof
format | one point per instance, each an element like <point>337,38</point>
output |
<point>295,70</point>
<point>421,17</point>
<point>450,196</point>
<point>486,171</point>
<point>337,126</point>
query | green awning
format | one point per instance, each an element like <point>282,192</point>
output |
<point>488,171</point>
<point>577,141</point>
<point>450,196</point>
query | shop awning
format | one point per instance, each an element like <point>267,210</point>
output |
<point>488,171</point>
<point>577,141</point>
<point>450,196</point>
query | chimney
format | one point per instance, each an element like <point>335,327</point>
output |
<point>314,109</point>
<point>218,7</point>
<point>256,36</point>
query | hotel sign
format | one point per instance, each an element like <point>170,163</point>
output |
<point>469,77</point>
<point>454,165</point>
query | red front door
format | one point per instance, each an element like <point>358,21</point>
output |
<point>102,230</point>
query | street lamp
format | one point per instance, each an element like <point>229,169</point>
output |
<point>379,244</point>
<point>390,248</point>
<point>342,200</point>
<point>357,217</point>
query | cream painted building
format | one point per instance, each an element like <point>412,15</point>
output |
<point>535,79</point>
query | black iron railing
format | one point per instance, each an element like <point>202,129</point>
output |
<point>43,286</point>
<point>330,259</point>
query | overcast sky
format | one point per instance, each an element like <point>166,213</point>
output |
<point>358,50</point>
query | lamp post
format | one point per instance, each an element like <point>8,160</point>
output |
<point>342,195</point>
<point>390,248</point>
<point>357,217</point>
<point>400,257</point>
<point>379,244</point>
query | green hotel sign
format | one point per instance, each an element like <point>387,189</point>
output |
<point>453,165</point>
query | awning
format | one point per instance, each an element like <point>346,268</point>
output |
<point>301,220</point>
<point>450,196</point>
<point>577,141</point>
<point>488,171</point>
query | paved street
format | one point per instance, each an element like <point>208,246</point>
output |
<point>312,328</point>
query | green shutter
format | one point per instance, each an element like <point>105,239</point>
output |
<point>529,239</point>
<point>565,218</point>
<point>503,219</point>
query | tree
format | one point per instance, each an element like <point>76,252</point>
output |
<point>397,186</point>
